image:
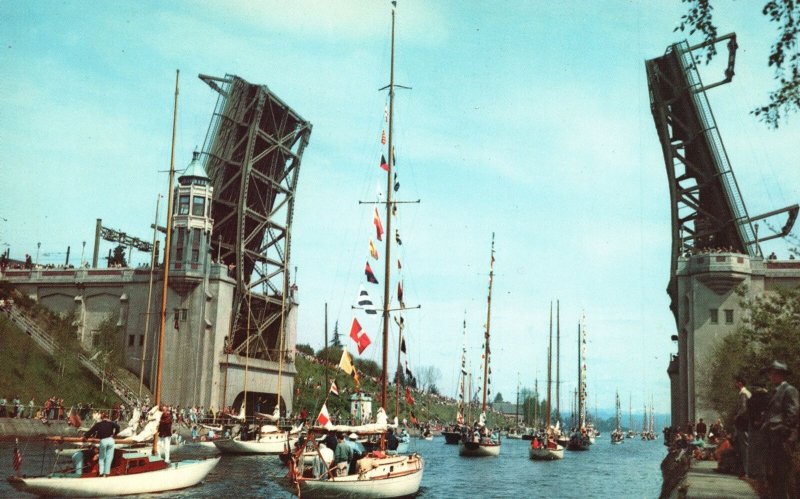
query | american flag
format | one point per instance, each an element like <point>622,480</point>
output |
<point>17,458</point>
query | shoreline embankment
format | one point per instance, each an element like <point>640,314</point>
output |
<point>34,429</point>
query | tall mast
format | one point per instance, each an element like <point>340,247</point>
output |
<point>579,390</point>
<point>558,360</point>
<point>286,240</point>
<point>462,378</point>
<point>397,373</point>
<point>630,412</point>
<point>167,242</point>
<point>153,264</point>
<point>549,370</point>
<point>325,348</point>
<point>386,287</point>
<point>582,373</point>
<point>488,327</point>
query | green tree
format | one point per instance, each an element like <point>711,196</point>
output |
<point>65,333</point>
<point>336,340</point>
<point>330,354</point>
<point>368,367</point>
<point>118,257</point>
<point>108,345</point>
<point>498,398</point>
<point>770,331</point>
<point>784,56</point>
<point>305,348</point>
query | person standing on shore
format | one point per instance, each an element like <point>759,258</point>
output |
<point>741,422</point>
<point>780,426</point>
<point>105,431</point>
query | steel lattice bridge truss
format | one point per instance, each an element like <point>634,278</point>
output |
<point>252,154</point>
<point>708,211</point>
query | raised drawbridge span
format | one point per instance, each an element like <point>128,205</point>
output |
<point>708,216</point>
<point>708,212</point>
<point>252,153</point>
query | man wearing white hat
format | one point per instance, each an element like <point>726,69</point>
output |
<point>780,426</point>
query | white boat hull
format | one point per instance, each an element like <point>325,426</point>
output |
<point>179,475</point>
<point>385,480</point>
<point>267,444</point>
<point>205,444</point>
<point>471,449</point>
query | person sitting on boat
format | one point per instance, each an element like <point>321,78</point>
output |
<point>105,431</point>
<point>84,460</point>
<point>342,456</point>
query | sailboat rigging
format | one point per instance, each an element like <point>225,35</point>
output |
<point>267,438</point>
<point>453,433</point>
<point>580,439</point>
<point>132,472</point>
<point>617,436</point>
<point>481,442</point>
<point>381,473</point>
<point>544,446</point>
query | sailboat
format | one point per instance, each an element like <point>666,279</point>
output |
<point>648,422</point>
<point>131,472</point>
<point>380,474</point>
<point>580,439</point>
<point>617,436</point>
<point>480,442</point>
<point>268,438</point>
<point>544,446</point>
<point>452,434</point>
<point>631,433</point>
<point>561,437</point>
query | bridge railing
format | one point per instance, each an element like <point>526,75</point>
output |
<point>715,145</point>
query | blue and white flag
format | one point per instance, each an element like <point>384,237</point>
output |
<point>365,302</point>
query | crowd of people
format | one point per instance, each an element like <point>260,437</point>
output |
<point>53,409</point>
<point>759,447</point>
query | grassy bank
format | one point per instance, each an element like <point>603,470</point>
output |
<point>26,371</point>
<point>311,391</point>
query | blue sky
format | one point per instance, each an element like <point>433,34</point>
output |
<point>527,119</point>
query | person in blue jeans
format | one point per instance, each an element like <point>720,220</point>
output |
<point>105,431</point>
<point>84,459</point>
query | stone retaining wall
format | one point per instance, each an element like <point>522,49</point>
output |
<point>11,428</point>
